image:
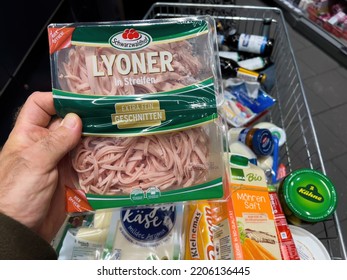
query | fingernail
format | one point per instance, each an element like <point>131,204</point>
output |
<point>69,121</point>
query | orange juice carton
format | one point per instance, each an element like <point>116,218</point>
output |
<point>250,210</point>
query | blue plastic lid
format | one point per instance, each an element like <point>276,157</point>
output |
<point>262,142</point>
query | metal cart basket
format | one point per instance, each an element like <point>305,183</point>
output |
<point>291,111</point>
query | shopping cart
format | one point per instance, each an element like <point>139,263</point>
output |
<point>291,111</point>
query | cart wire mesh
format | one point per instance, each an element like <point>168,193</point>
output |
<point>291,111</point>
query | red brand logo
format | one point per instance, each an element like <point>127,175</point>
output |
<point>130,39</point>
<point>130,34</point>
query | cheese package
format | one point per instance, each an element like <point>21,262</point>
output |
<point>250,210</point>
<point>141,233</point>
<point>148,93</point>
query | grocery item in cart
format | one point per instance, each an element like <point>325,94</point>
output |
<point>275,130</point>
<point>199,231</point>
<point>285,237</point>
<point>256,63</point>
<point>235,56</point>
<point>259,140</point>
<point>234,60</point>
<point>148,94</point>
<point>309,247</point>
<point>265,163</point>
<point>245,102</point>
<point>251,43</point>
<point>231,69</point>
<point>241,149</point>
<point>251,212</point>
<point>140,233</point>
<point>225,235</point>
<point>307,196</point>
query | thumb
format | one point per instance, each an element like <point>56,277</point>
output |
<point>60,141</point>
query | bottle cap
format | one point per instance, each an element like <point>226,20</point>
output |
<point>239,160</point>
<point>280,134</point>
<point>262,78</point>
<point>262,142</point>
<point>271,188</point>
<point>239,148</point>
<point>266,27</point>
<point>232,31</point>
<point>275,131</point>
<point>309,195</point>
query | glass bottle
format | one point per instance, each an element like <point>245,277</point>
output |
<point>266,27</point>
<point>259,140</point>
<point>256,63</point>
<point>231,69</point>
<point>250,43</point>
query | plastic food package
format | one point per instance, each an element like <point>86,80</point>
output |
<point>142,233</point>
<point>207,231</point>
<point>199,236</point>
<point>148,93</point>
<point>241,107</point>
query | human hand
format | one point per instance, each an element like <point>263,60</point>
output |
<point>29,183</point>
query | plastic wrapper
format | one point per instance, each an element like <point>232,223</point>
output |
<point>148,93</point>
<point>142,233</point>
<point>242,106</point>
<point>199,226</point>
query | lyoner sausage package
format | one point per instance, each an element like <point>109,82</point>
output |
<point>148,93</point>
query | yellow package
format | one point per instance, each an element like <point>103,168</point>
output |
<point>199,232</point>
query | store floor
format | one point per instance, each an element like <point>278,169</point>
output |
<point>325,86</point>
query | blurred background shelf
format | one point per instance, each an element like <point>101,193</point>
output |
<point>300,21</point>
